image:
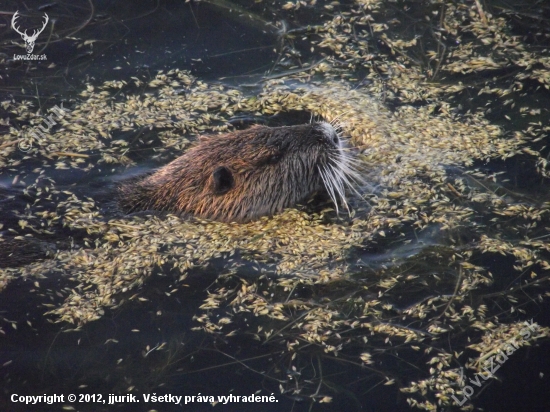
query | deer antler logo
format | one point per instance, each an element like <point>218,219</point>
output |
<point>29,40</point>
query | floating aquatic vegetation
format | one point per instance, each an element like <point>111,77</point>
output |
<point>320,289</point>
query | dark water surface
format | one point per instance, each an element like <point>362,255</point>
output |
<point>235,45</point>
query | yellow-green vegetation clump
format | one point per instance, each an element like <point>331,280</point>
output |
<point>434,211</point>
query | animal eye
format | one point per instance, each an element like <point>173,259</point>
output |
<point>271,160</point>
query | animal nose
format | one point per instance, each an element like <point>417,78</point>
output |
<point>330,134</point>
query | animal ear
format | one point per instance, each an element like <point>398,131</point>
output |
<point>223,180</point>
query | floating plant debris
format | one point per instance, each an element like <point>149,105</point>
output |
<point>400,101</point>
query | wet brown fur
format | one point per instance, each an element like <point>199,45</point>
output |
<point>239,176</point>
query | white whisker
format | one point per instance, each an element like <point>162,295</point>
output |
<point>343,171</point>
<point>338,184</point>
<point>337,118</point>
<point>329,187</point>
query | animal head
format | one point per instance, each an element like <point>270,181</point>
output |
<point>243,175</point>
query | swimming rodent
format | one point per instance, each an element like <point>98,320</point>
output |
<point>243,175</point>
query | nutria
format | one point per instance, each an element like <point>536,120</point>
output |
<point>240,176</point>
